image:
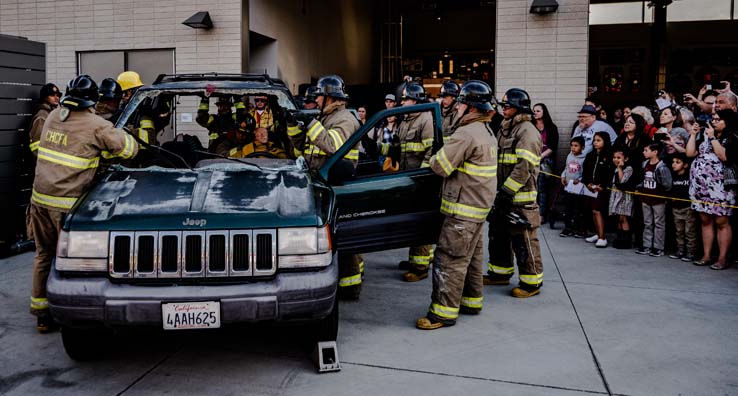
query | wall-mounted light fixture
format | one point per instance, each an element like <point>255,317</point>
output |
<point>200,20</point>
<point>542,7</point>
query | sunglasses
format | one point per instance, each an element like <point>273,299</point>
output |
<point>260,100</point>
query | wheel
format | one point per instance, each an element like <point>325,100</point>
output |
<point>326,329</point>
<point>82,344</point>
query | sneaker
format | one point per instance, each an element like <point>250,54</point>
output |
<point>578,234</point>
<point>592,239</point>
<point>656,253</point>
<point>643,251</point>
<point>601,243</point>
<point>688,258</point>
<point>566,233</point>
<point>677,255</point>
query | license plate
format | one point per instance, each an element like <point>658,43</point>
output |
<point>191,315</point>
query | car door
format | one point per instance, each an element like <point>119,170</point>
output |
<point>380,211</point>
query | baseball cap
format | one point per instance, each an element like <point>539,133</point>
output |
<point>390,97</point>
<point>587,109</point>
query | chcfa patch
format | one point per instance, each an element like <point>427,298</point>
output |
<point>64,113</point>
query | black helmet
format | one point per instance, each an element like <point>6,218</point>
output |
<point>450,88</point>
<point>81,93</point>
<point>518,99</point>
<point>477,94</point>
<point>49,89</point>
<point>332,86</point>
<point>246,122</point>
<point>310,94</point>
<point>110,89</point>
<point>413,91</point>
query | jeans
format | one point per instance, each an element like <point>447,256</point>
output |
<point>654,226</point>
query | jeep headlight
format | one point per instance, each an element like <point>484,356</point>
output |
<point>305,247</point>
<point>82,251</point>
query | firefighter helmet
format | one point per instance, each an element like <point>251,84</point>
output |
<point>81,93</point>
<point>310,94</point>
<point>246,122</point>
<point>517,98</point>
<point>110,90</point>
<point>477,94</point>
<point>450,88</point>
<point>413,91</point>
<point>332,86</point>
<point>49,90</point>
<point>129,80</point>
<point>226,100</point>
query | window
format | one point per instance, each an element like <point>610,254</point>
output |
<point>616,13</point>
<point>698,10</point>
<point>148,63</point>
<point>678,11</point>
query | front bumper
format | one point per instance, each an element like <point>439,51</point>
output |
<point>95,301</point>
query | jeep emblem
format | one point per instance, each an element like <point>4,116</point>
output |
<point>193,222</point>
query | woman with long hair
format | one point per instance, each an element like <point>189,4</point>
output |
<point>597,177</point>
<point>634,138</point>
<point>550,137</point>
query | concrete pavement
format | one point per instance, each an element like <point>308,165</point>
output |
<point>607,322</point>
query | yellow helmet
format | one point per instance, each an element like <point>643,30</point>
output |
<point>129,80</point>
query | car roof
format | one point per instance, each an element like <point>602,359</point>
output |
<point>225,80</point>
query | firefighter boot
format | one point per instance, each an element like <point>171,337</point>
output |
<point>496,280</point>
<point>415,275</point>
<point>45,323</point>
<point>522,293</point>
<point>349,293</point>
<point>405,265</point>
<point>430,323</point>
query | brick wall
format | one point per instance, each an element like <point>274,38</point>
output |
<point>547,56</point>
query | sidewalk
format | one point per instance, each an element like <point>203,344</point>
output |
<point>606,321</point>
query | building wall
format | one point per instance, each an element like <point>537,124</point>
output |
<point>547,56</point>
<point>86,25</point>
<point>331,36</point>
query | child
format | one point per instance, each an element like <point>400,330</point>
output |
<point>597,176</point>
<point>656,181</point>
<point>685,221</point>
<point>621,199</point>
<point>574,202</point>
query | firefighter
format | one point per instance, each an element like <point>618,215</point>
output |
<point>49,101</point>
<point>515,219</point>
<point>468,164</point>
<point>309,102</point>
<point>320,139</point>
<point>130,82</point>
<point>262,147</point>
<point>237,138</point>
<point>218,124</point>
<point>108,106</point>
<point>449,93</point>
<point>262,113</point>
<point>72,141</point>
<point>416,141</point>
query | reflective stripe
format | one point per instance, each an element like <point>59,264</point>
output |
<point>478,170</point>
<point>67,160</point>
<point>146,124</point>
<point>472,302</point>
<point>413,147</point>
<point>533,280</point>
<point>352,155</point>
<point>446,139</point>
<point>233,152</point>
<point>211,119</point>
<point>512,185</point>
<point>350,281</point>
<point>529,196</point>
<point>428,143</point>
<point>508,158</point>
<point>39,303</point>
<point>336,137</point>
<point>420,260</point>
<point>54,202</point>
<point>456,208</point>
<point>213,136</point>
<point>34,146</point>
<point>500,270</point>
<point>314,150</point>
<point>315,131</point>
<point>239,105</point>
<point>128,149</point>
<point>204,106</point>
<point>424,165</point>
<point>361,266</point>
<point>296,152</point>
<point>385,148</point>
<point>528,156</point>
<point>143,135</point>
<point>444,162</point>
<point>444,312</point>
<point>293,130</point>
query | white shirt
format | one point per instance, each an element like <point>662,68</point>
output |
<point>588,133</point>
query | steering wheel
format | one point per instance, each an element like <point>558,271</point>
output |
<point>261,154</point>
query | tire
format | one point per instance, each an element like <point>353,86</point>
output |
<point>81,344</point>
<point>326,329</point>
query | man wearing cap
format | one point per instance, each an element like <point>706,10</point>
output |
<point>49,100</point>
<point>390,101</point>
<point>72,141</point>
<point>262,113</point>
<point>218,124</point>
<point>589,125</point>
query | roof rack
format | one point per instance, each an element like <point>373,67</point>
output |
<point>218,77</point>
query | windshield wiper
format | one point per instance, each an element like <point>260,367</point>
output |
<point>239,160</point>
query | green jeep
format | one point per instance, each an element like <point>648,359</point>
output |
<point>201,242</point>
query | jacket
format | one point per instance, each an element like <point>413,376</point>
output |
<point>322,137</point>
<point>597,169</point>
<point>69,153</point>
<point>519,159</point>
<point>37,125</point>
<point>264,120</point>
<point>468,164</point>
<point>573,167</point>
<point>256,147</point>
<point>216,124</point>
<point>449,119</point>
<point>416,139</point>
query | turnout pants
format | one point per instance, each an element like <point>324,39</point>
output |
<point>457,270</point>
<point>46,225</point>
<point>508,242</point>
<point>350,271</point>
<point>420,257</point>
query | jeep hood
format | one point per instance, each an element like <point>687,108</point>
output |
<point>207,198</point>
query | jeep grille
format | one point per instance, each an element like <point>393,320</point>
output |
<point>193,254</point>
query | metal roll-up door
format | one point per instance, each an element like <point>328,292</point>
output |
<point>22,74</point>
